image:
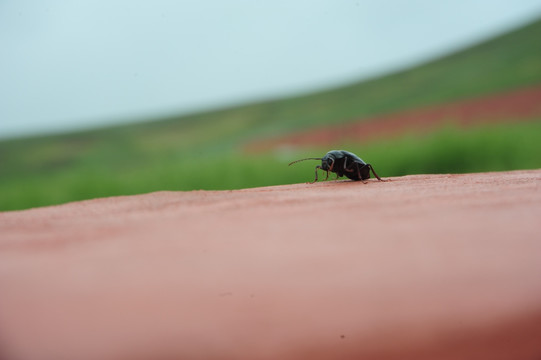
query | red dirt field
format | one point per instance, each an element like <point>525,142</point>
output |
<point>419,267</point>
<point>517,105</point>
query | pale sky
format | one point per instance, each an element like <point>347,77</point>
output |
<point>71,64</point>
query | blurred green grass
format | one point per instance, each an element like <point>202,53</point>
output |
<point>201,151</point>
<point>449,150</point>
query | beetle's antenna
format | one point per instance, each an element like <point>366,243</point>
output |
<point>296,161</point>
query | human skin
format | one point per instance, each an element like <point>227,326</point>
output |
<point>419,267</point>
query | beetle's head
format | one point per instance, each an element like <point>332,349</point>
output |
<point>327,163</point>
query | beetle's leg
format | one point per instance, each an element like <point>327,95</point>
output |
<point>336,178</point>
<point>345,165</point>
<point>326,177</point>
<point>359,172</point>
<point>330,169</point>
<point>317,167</point>
<point>373,172</point>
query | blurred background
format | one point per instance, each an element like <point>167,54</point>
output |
<point>103,98</point>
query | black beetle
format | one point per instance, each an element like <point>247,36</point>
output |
<point>342,163</point>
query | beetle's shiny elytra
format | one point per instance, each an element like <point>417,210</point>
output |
<point>343,163</point>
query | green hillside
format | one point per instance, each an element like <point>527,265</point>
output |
<point>201,151</point>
